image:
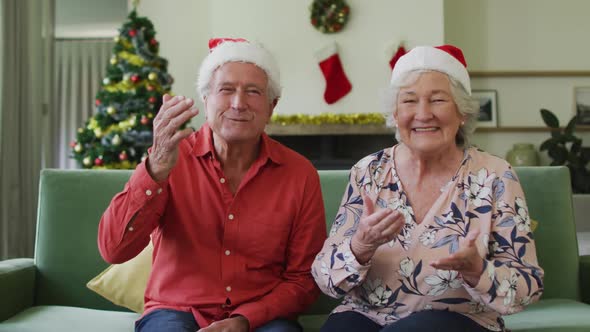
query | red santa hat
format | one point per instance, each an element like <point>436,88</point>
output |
<point>222,50</point>
<point>447,59</point>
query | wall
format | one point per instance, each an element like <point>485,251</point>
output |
<point>283,27</point>
<point>88,18</point>
<point>504,35</point>
<point>182,27</point>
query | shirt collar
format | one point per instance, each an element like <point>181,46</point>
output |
<point>202,142</point>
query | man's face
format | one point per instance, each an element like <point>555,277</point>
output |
<point>237,105</point>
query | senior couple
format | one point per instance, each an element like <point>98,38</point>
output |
<point>238,224</point>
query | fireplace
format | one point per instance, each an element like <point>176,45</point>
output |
<point>333,146</point>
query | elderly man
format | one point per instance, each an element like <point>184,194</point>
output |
<point>235,217</point>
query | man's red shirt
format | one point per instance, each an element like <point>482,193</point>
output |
<point>217,254</point>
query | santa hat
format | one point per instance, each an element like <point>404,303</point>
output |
<point>222,50</point>
<point>447,59</point>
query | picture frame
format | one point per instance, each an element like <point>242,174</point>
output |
<point>488,108</point>
<point>582,105</point>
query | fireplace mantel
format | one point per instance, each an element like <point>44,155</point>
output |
<point>327,129</point>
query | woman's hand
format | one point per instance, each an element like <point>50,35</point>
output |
<point>174,112</point>
<point>375,229</point>
<point>466,260</point>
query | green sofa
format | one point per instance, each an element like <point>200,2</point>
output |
<point>48,293</point>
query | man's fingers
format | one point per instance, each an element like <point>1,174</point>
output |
<point>177,108</point>
<point>180,135</point>
<point>170,127</point>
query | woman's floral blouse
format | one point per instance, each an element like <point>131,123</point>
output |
<point>484,193</point>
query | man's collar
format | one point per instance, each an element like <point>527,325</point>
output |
<point>202,143</point>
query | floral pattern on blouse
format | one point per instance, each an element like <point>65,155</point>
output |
<point>484,193</point>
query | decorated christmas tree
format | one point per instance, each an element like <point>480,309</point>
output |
<point>120,131</point>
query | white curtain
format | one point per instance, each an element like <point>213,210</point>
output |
<point>27,52</point>
<point>80,66</point>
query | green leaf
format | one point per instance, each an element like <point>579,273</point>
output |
<point>549,118</point>
<point>559,154</point>
<point>569,129</point>
<point>547,144</point>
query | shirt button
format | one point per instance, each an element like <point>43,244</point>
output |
<point>228,288</point>
<point>159,190</point>
<point>222,180</point>
<point>230,217</point>
<point>227,252</point>
<point>148,192</point>
<point>130,228</point>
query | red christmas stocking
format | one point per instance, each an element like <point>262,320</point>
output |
<point>398,54</point>
<point>337,84</point>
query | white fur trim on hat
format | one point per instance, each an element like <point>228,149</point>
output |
<point>431,58</point>
<point>238,51</point>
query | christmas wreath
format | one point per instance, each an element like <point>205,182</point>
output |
<point>329,16</point>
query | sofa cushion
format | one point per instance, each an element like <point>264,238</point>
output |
<point>552,315</point>
<point>58,318</point>
<point>124,284</point>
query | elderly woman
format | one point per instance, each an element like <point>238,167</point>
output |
<point>432,233</point>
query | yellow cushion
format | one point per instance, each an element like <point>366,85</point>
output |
<point>124,284</point>
<point>534,224</point>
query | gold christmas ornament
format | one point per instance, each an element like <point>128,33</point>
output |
<point>106,81</point>
<point>98,132</point>
<point>86,161</point>
<point>152,76</point>
<point>116,140</point>
<point>132,121</point>
<point>78,147</point>
<point>114,61</point>
<point>111,110</point>
<point>117,39</point>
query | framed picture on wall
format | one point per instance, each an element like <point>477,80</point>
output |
<point>582,102</point>
<point>488,108</point>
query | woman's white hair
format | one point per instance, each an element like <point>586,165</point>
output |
<point>467,106</point>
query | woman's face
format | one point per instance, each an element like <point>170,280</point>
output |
<point>427,116</point>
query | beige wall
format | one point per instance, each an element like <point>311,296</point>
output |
<point>495,35</point>
<point>283,26</point>
<point>536,35</point>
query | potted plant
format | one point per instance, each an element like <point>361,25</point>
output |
<point>565,148</point>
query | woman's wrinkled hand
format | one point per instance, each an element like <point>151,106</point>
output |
<point>374,230</point>
<point>466,260</point>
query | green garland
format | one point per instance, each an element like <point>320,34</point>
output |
<point>329,118</point>
<point>329,16</point>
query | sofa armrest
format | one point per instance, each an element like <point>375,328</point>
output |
<point>17,286</point>
<point>585,278</point>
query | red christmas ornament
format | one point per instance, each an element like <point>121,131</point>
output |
<point>153,42</point>
<point>132,33</point>
<point>123,156</point>
<point>152,99</point>
<point>144,120</point>
<point>97,102</point>
<point>134,78</point>
<point>150,87</point>
<point>98,162</point>
<point>72,144</point>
